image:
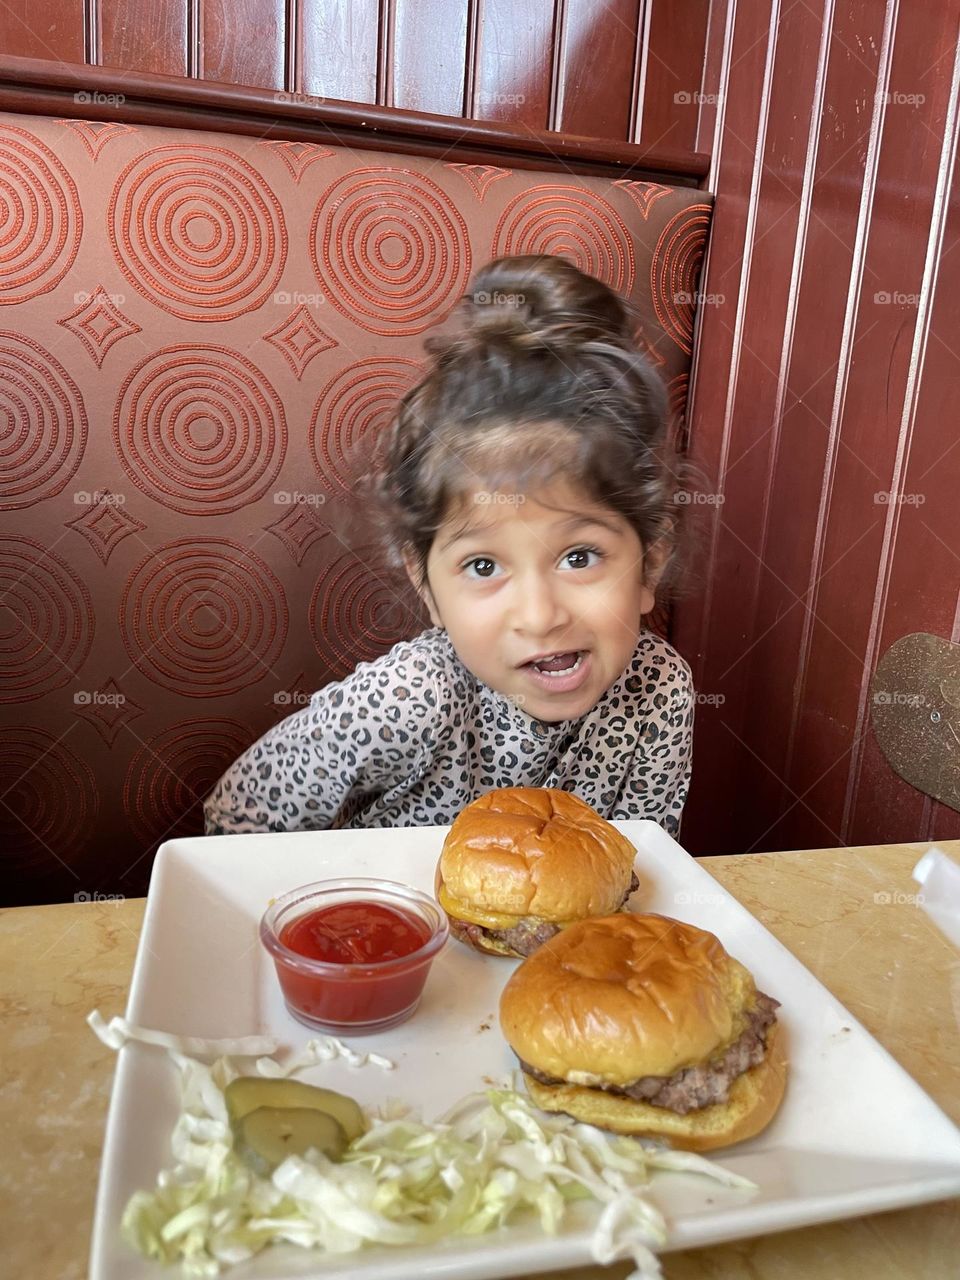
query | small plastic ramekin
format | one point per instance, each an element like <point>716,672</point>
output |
<point>352,999</point>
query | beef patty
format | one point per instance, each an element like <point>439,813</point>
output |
<point>696,1087</point>
<point>527,934</point>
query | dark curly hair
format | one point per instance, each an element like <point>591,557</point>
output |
<point>544,381</point>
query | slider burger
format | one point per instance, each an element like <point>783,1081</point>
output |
<point>644,1025</point>
<point>521,863</point>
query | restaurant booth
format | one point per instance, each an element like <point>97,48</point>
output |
<point>225,235</point>
<point>207,327</point>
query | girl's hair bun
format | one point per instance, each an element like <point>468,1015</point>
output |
<point>541,380</point>
<point>540,296</point>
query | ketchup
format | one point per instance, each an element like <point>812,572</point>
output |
<point>378,957</point>
<point>355,933</point>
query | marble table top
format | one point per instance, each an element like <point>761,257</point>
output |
<point>849,915</point>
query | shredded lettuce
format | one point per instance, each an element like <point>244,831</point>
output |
<point>489,1160</point>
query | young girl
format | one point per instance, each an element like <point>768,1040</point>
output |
<point>525,488</point>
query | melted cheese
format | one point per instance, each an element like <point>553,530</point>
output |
<point>586,1078</point>
<point>475,915</point>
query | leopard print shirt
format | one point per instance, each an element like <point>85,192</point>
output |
<point>409,739</point>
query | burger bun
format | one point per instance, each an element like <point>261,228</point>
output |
<point>611,1001</point>
<point>530,853</point>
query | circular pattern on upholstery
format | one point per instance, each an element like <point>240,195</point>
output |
<point>43,424</point>
<point>358,399</point>
<point>200,429</point>
<point>674,270</point>
<point>51,801</point>
<point>203,617</point>
<point>574,223</point>
<point>390,248</point>
<point>170,775</point>
<point>46,621</point>
<point>355,616</point>
<point>40,217</point>
<point>197,231</point>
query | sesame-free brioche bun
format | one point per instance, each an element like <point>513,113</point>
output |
<point>534,854</point>
<point>611,1001</point>
<point>623,997</point>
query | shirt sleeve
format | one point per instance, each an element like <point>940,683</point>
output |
<point>357,738</point>
<point>658,779</point>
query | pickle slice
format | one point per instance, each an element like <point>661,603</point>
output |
<point>248,1093</point>
<point>265,1137</point>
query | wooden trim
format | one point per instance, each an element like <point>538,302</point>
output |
<point>91,31</point>
<point>472,56</point>
<point>195,39</point>
<point>293,69</point>
<point>638,88</point>
<point>557,56</point>
<point>48,88</point>
<point>386,28</point>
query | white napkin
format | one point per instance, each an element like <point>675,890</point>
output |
<point>940,877</point>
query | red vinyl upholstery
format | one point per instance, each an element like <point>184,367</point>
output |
<point>196,327</point>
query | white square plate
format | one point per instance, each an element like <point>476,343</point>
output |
<point>855,1133</point>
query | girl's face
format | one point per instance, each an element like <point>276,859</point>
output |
<point>514,577</point>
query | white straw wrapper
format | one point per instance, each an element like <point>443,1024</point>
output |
<point>940,877</point>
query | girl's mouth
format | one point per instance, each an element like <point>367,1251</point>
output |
<point>561,673</point>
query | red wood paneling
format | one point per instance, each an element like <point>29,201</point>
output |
<point>145,37</point>
<point>337,49</point>
<point>513,63</point>
<point>243,42</point>
<point>430,55</point>
<point>596,54</point>
<point>572,66</point>
<point>855,530</point>
<point>670,72</point>
<point>919,568</point>
<point>54,30</point>
<point>827,342</point>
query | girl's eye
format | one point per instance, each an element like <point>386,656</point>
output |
<point>480,560</point>
<point>486,565</point>
<point>581,552</point>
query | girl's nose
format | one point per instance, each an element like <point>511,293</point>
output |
<point>539,607</point>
